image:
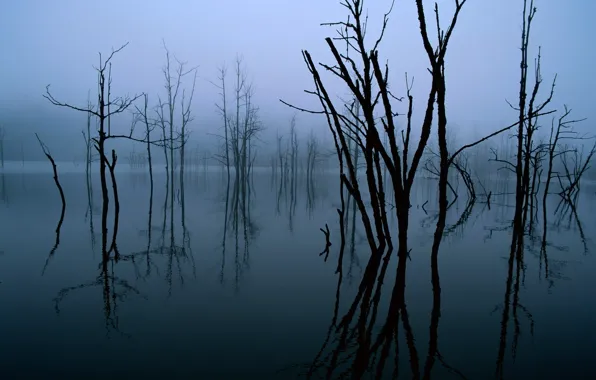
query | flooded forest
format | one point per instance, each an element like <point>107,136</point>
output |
<point>382,243</point>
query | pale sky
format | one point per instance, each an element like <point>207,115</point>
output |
<point>57,42</point>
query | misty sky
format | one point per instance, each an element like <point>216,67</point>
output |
<point>57,42</point>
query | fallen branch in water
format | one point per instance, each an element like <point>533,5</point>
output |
<point>46,151</point>
<point>327,242</point>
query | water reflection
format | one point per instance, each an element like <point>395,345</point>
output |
<point>383,318</point>
<point>568,209</point>
<point>114,291</point>
<point>363,342</point>
<point>176,255</point>
<point>56,243</point>
<point>515,269</point>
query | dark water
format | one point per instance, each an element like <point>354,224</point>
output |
<point>258,304</point>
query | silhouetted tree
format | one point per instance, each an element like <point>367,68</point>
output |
<point>223,109</point>
<point>529,111</point>
<point>47,153</point>
<point>107,106</point>
<point>369,84</point>
<point>173,85</point>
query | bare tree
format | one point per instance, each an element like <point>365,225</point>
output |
<point>280,155</point>
<point>47,153</point>
<point>369,83</point>
<point>107,106</point>
<point>239,90</point>
<point>149,127</point>
<point>88,139</point>
<point>529,111</point>
<point>573,175</point>
<point>242,129</point>
<point>223,109</point>
<point>562,131</point>
<point>186,118</point>
<point>161,121</point>
<point>173,84</point>
<point>293,148</point>
<point>313,156</point>
<point>528,157</point>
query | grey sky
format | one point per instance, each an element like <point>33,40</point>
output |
<point>56,42</point>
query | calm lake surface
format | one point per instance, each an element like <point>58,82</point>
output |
<point>184,301</point>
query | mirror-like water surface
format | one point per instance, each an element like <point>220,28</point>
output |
<point>235,287</point>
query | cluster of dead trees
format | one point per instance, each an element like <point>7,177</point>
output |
<point>137,159</point>
<point>290,165</point>
<point>360,134</point>
<point>241,124</point>
<point>171,117</point>
<point>380,151</point>
<point>198,159</point>
<point>165,127</point>
<point>237,153</point>
<point>3,147</point>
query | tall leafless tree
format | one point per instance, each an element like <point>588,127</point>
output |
<point>361,72</point>
<point>107,106</point>
<point>149,127</point>
<point>176,139</point>
<point>529,110</point>
<point>223,109</point>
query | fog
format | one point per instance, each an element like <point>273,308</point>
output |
<point>274,218</point>
<point>57,43</point>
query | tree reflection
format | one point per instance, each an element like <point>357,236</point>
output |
<point>238,219</point>
<point>362,342</point>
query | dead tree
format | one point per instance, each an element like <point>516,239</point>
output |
<point>47,153</point>
<point>293,150</point>
<point>186,118</point>
<point>173,85</point>
<point>463,168</point>
<point>529,111</point>
<point>88,139</point>
<point>436,56</point>
<point>149,127</point>
<point>313,156</point>
<point>174,139</point>
<point>111,167</point>
<point>240,129</point>
<point>251,128</point>
<point>556,133</point>
<point>573,175</point>
<point>239,90</point>
<point>107,106</point>
<point>564,131</point>
<point>280,155</point>
<point>161,121</point>
<point>487,194</point>
<point>223,109</point>
<point>368,82</point>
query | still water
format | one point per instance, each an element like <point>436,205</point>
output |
<point>245,294</point>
